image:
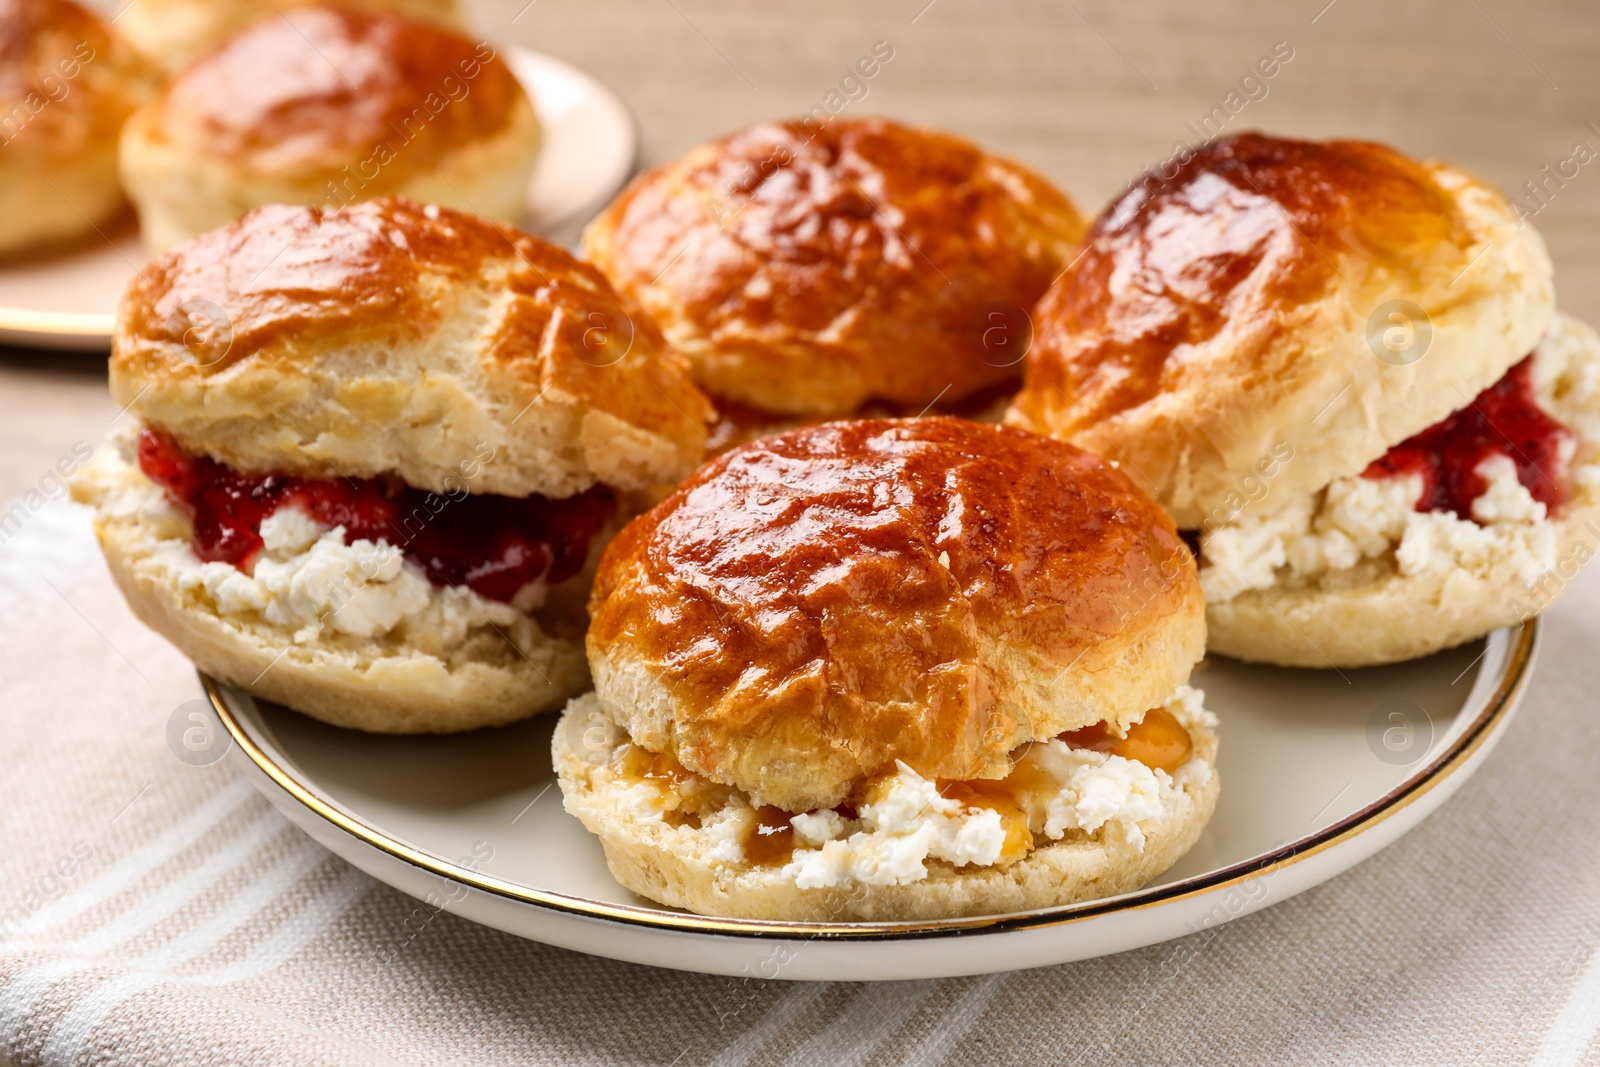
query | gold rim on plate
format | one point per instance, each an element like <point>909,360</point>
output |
<point>1512,680</point>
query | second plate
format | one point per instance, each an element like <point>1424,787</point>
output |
<point>69,301</point>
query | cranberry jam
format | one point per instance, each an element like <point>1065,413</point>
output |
<point>1504,419</point>
<point>494,545</point>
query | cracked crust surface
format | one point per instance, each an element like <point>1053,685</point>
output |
<point>1241,307</point>
<point>808,271</point>
<point>397,338</point>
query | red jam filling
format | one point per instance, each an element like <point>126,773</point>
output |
<point>1504,420</point>
<point>494,545</point>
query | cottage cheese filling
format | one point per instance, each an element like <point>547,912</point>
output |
<point>1358,521</point>
<point>1360,529</point>
<point>306,579</point>
<point>1062,790</point>
<point>907,824</point>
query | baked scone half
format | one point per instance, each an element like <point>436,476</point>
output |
<point>1232,310</point>
<point>330,106</point>
<point>378,451</point>
<point>893,669</point>
<point>1247,335</point>
<point>67,84</point>
<point>175,33</point>
<point>861,266</point>
<point>1476,523</point>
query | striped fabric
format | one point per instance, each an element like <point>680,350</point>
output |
<point>157,912</point>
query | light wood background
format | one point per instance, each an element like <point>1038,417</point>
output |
<point>1092,91</point>
<point>1088,91</point>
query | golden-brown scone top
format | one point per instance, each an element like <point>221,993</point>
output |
<point>813,606</point>
<point>323,87</point>
<point>67,84</point>
<point>393,337</point>
<point>174,33</point>
<point>66,81</point>
<point>1239,309</point>
<point>806,271</point>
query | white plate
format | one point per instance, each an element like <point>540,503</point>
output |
<point>68,301</point>
<point>1320,770</point>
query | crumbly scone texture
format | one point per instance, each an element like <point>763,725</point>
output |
<point>397,338</point>
<point>452,663</point>
<point>680,866</point>
<point>811,607</point>
<point>67,84</point>
<point>806,271</point>
<point>1432,580</point>
<point>1240,310</point>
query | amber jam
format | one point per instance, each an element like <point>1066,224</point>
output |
<point>1160,742</point>
<point>660,766</point>
<point>494,545</point>
<point>1505,419</point>
<point>770,840</point>
<point>995,796</point>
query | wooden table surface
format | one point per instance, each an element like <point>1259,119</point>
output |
<point>1088,91</point>
<point>1091,92</point>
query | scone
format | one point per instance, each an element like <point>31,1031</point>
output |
<point>175,33</point>
<point>378,452</point>
<point>67,84</point>
<point>826,273</point>
<point>1317,357</point>
<point>331,106</point>
<point>1478,522</point>
<point>893,669</point>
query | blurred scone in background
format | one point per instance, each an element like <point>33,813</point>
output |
<point>823,271</point>
<point>329,106</point>
<point>175,33</point>
<point>67,83</point>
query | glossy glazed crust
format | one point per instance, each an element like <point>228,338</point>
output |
<point>811,607</point>
<point>396,338</point>
<point>66,86</point>
<point>301,93</point>
<point>807,271</point>
<point>174,33</point>
<point>1223,313</point>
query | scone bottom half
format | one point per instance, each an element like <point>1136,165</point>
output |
<point>1477,522</point>
<point>364,602</point>
<point>1088,814</point>
<point>893,669</point>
